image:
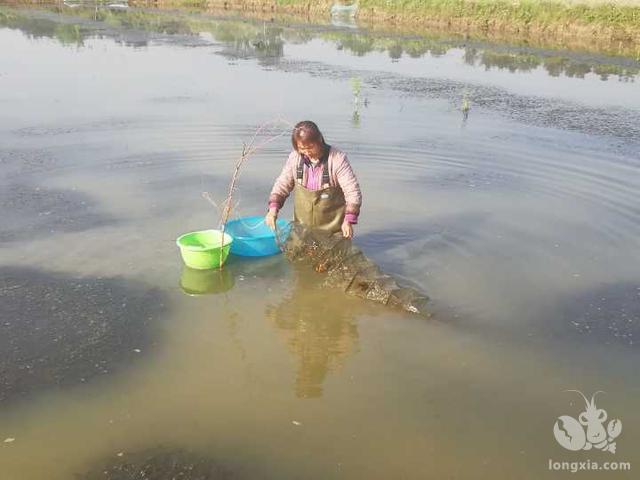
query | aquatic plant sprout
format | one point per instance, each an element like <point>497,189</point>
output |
<point>356,85</point>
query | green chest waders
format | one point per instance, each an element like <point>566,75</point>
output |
<point>323,209</point>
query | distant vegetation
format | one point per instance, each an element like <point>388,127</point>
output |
<point>265,40</point>
<point>612,21</point>
<point>607,26</point>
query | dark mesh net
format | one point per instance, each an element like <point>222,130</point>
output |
<point>344,266</point>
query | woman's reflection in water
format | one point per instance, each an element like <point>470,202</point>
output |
<point>319,327</point>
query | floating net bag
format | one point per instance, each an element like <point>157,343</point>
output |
<point>345,266</point>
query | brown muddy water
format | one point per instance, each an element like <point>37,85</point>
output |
<point>502,181</point>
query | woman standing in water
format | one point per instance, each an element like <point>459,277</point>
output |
<point>327,195</point>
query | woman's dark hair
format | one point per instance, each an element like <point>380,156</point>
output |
<point>306,131</point>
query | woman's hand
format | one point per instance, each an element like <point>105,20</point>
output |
<point>347,230</point>
<point>270,218</point>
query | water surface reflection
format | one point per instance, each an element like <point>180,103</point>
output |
<point>523,227</point>
<point>266,40</point>
<point>319,328</point>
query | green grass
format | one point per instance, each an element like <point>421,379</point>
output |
<point>524,12</point>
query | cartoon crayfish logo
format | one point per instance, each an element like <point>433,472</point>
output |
<point>589,430</point>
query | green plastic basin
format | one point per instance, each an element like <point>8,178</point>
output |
<point>201,250</point>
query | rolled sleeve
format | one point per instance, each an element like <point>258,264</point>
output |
<point>351,218</point>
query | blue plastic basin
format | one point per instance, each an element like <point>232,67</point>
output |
<point>252,237</point>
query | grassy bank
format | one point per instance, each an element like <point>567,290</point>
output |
<point>622,20</point>
<point>586,24</point>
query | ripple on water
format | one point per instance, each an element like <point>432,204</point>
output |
<point>409,245</point>
<point>546,166</point>
<point>56,130</point>
<point>532,110</point>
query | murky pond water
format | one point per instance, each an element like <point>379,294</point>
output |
<point>502,181</point>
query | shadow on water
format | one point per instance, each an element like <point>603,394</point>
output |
<point>58,330</point>
<point>32,211</point>
<point>159,463</point>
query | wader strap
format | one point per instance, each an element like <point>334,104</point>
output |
<point>325,175</point>
<point>326,180</point>
<point>300,170</point>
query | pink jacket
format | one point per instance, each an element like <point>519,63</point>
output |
<point>340,173</point>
